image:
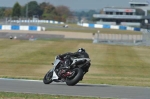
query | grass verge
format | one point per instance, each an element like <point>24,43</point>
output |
<point>10,95</point>
<point>111,64</point>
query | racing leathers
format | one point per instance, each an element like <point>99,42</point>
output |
<point>68,58</point>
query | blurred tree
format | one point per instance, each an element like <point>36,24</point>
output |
<point>23,11</point>
<point>49,9</point>
<point>87,14</point>
<point>44,10</point>
<point>33,9</point>
<point>90,14</point>
<point>148,12</point>
<point>63,12</point>
<point>8,12</point>
<point>43,5</point>
<point>2,12</point>
<point>49,12</point>
<point>16,11</point>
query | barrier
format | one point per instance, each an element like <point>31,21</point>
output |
<point>0,27</point>
<point>32,27</point>
<point>91,25</point>
<point>37,21</point>
<point>106,26</point>
<point>15,27</point>
<point>18,27</point>
<point>122,27</point>
<point>137,29</point>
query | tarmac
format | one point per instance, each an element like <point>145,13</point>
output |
<point>44,34</point>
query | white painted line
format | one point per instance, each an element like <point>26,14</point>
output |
<point>21,79</point>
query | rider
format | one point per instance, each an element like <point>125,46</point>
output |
<point>81,53</point>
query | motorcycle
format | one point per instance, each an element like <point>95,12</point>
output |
<point>71,76</point>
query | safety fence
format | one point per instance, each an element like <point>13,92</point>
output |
<point>123,39</point>
<point>18,27</point>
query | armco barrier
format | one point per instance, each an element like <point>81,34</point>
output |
<point>18,27</point>
<point>109,26</point>
<point>137,29</point>
<point>15,27</point>
<point>33,28</point>
<point>106,26</point>
<point>122,27</point>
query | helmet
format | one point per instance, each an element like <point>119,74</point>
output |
<point>81,50</point>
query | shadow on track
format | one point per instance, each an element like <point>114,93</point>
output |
<point>81,85</point>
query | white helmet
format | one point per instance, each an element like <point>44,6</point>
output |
<point>81,50</point>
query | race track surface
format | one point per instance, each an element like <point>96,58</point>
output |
<point>66,35</point>
<point>31,86</point>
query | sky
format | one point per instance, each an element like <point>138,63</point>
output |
<point>75,4</point>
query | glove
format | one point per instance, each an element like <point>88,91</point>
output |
<point>59,57</point>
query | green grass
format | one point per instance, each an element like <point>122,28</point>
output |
<point>76,28</point>
<point>111,64</point>
<point>9,95</point>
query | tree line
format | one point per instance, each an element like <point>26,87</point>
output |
<point>88,14</point>
<point>43,10</point>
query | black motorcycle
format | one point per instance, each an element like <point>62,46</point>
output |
<point>71,75</point>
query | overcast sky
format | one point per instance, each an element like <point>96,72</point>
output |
<point>75,4</point>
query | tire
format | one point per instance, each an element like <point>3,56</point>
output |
<point>48,77</point>
<point>76,78</point>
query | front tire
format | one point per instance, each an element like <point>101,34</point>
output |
<point>48,77</point>
<point>76,78</point>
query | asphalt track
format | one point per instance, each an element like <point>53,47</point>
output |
<point>103,91</point>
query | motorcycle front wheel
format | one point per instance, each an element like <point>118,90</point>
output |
<point>76,77</point>
<point>48,77</point>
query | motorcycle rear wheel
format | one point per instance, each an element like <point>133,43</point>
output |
<point>77,76</point>
<point>48,77</point>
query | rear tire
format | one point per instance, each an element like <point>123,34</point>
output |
<point>48,77</point>
<point>77,77</point>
